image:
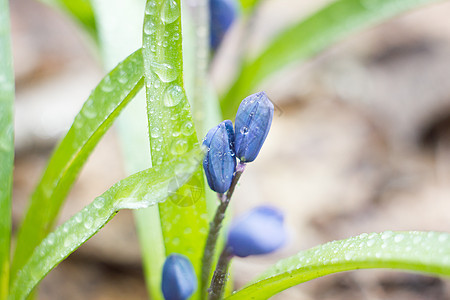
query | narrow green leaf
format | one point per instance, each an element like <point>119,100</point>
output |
<point>306,38</point>
<point>6,144</point>
<point>103,106</point>
<point>427,252</point>
<point>172,132</point>
<point>140,190</point>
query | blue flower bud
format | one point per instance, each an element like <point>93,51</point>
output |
<point>260,231</point>
<point>220,161</point>
<point>222,14</point>
<point>253,121</point>
<point>178,279</point>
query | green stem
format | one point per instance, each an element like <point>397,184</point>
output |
<point>214,229</point>
<point>220,275</point>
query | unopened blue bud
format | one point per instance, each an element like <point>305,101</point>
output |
<point>260,231</point>
<point>220,161</point>
<point>178,279</point>
<point>222,14</point>
<point>253,121</point>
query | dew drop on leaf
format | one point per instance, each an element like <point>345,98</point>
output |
<point>150,9</point>
<point>165,72</point>
<point>173,95</point>
<point>155,132</point>
<point>179,147</point>
<point>170,11</point>
<point>149,27</point>
<point>187,129</point>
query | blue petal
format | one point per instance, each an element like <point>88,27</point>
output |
<point>178,279</point>
<point>261,231</point>
<point>253,121</point>
<point>220,161</point>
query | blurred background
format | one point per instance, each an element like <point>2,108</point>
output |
<point>360,142</point>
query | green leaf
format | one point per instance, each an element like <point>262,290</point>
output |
<point>306,38</point>
<point>6,144</point>
<point>249,5</point>
<point>172,132</point>
<point>140,190</point>
<point>103,106</point>
<point>118,36</point>
<point>80,10</point>
<point>427,252</point>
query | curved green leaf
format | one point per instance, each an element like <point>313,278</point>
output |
<point>172,132</point>
<point>427,252</point>
<point>6,144</point>
<point>140,190</point>
<point>103,106</point>
<point>308,37</point>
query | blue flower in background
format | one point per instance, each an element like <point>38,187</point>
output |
<point>222,14</point>
<point>253,121</point>
<point>178,279</point>
<point>260,231</point>
<point>220,160</point>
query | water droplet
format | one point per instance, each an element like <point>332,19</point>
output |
<point>348,256</point>
<point>173,95</point>
<point>244,130</point>
<point>176,241</point>
<point>442,237</point>
<point>88,222</point>
<point>51,238</point>
<point>106,84</point>
<point>170,11</point>
<point>386,235</point>
<point>187,129</point>
<point>155,132</point>
<point>150,9</point>
<point>99,202</point>
<point>122,77</point>
<point>188,230</point>
<point>370,243</point>
<point>78,218</point>
<point>149,27</point>
<point>88,109</point>
<point>179,147</point>
<point>165,72</point>
<point>398,238</point>
<point>159,160</point>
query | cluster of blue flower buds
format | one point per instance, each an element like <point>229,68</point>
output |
<point>260,231</point>
<point>252,125</point>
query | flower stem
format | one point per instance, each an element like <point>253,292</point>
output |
<point>220,275</point>
<point>214,229</point>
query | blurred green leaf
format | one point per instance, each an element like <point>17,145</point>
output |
<point>80,10</point>
<point>140,190</point>
<point>249,5</point>
<point>307,37</point>
<point>172,132</point>
<point>102,107</point>
<point>6,144</point>
<point>427,252</point>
